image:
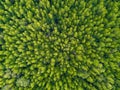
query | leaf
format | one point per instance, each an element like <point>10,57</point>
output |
<point>1,67</point>
<point>90,79</point>
<point>10,81</point>
<point>60,83</point>
<point>110,80</point>
<point>83,75</point>
<point>1,73</point>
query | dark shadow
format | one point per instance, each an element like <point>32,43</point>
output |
<point>50,2</point>
<point>51,29</point>
<point>105,55</point>
<point>0,47</point>
<point>97,40</point>
<point>37,1</point>
<point>57,64</point>
<point>1,30</point>
<point>56,20</point>
<point>12,1</point>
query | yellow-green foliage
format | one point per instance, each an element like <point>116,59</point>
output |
<point>59,44</point>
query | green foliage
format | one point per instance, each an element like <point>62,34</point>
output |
<point>22,82</point>
<point>59,44</point>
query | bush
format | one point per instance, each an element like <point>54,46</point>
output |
<point>59,44</point>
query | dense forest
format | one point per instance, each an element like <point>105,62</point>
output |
<point>59,44</point>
